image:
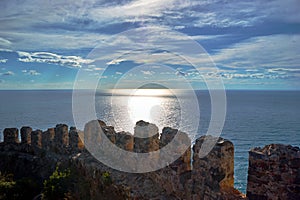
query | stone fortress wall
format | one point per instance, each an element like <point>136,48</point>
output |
<point>59,137</point>
<point>274,171</point>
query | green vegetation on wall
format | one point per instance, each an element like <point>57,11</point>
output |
<point>58,184</point>
<point>24,188</point>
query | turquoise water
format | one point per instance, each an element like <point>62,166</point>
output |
<point>254,118</point>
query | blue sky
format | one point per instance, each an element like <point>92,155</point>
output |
<point>253,44</point>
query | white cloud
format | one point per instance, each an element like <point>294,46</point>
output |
<point>287,10</point>
<point>275,51</point>
<point>243,13</point>
<point>240,75</point>
<point>283,70</point>
<point>159,45</point>
<point>53,20</point>
<point>81,24</point>
<point>180,73</point>
<point>31,72</point>
<point>251,70</point>
<point>4,42</point>
<point>156,67</point>
<point>93,68</point>
<point>212,12</point>
<point>115,61</point>
<point>98,69</point>
<point>93,13</point>
<point>179,27</point>
<point>3,60</point>
<point>6,50</point>
<point>51,58</point>
<point>34,41</point>
<point>147,72</point>
<point>91,16</point>
<point>139,10</point>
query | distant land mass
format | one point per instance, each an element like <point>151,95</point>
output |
<point>152,86</point>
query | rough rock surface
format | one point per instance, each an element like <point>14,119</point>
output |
<point>61,135</point>
<point>36,139</point>
<point>274,173</point>
<point>74,140</point>
<point>273,170</point>
<point>26,135</point>
<point>146,137</point>
<point>213,173</point>
<point>11,135</point>
<point>183,143</point>
<point>124,140</point>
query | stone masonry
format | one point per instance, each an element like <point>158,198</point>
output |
<point>273,170</point>
<point>213,173</point>
<point>274,173</point>
<point>11,135</point>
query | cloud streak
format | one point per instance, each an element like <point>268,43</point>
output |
<point>276,51</point>
<point>148,72</point>
<point>247,40</point>
<point>31,72</point>
<point>81,25</point>
<point>52,58</point>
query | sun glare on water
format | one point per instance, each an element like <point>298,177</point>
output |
<point>146,104</point>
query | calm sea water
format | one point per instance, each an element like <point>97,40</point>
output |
<point>254,118</point>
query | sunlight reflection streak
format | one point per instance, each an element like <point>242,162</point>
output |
<point>144,104</point>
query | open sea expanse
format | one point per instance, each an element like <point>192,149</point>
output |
<point>254,118</point>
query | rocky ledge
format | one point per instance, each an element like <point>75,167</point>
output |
<point>273,171</point>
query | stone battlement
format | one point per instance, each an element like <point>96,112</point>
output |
<point>58,138</point>
<point>193,175</point>
<point>146,138</point>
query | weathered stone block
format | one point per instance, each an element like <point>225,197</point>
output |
<point>11,135</point>
<point>213,173</point>
<point>61,138</point>
<point>36,139</point>
<point>92,136</point>
<point>26,135</point>
<point>125,141</point>
<point>47,138</point>
<point>74,139</point>
<point>110,133</point>
<point>51,132</point>
<point>181,146</point>
<point>146,137</point>
<point>273,172</point>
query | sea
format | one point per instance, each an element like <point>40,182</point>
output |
<point>253,118</point>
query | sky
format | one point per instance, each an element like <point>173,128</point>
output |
<point>251,44</point>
